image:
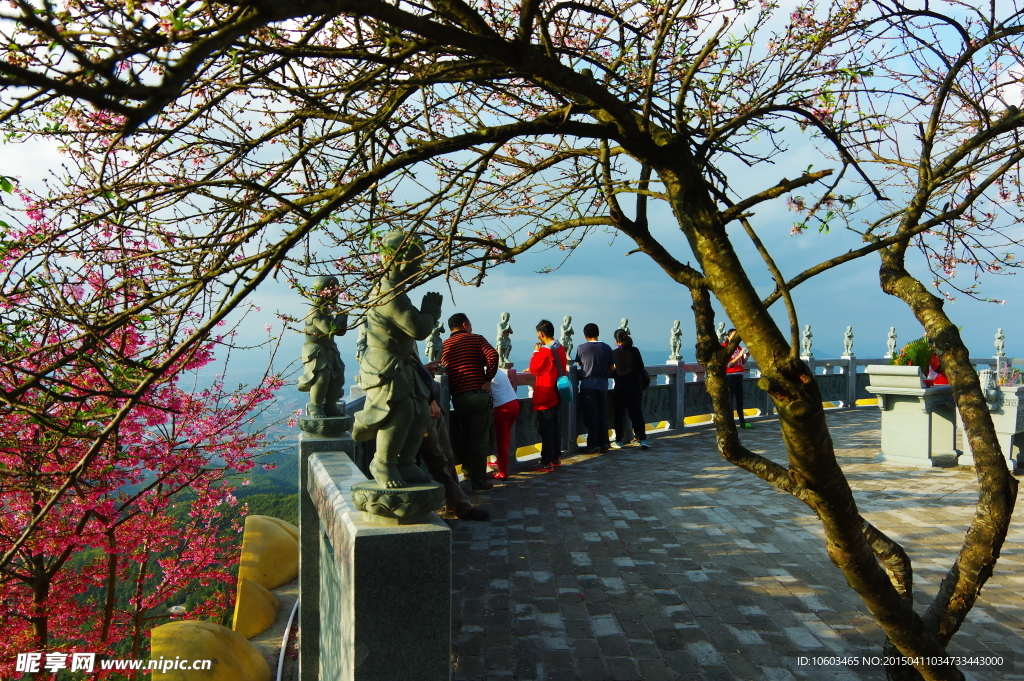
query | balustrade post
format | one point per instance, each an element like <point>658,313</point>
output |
<point>677,386</point>
<point>851,384</point>
<point>570,425</point>
<point>513,437</point>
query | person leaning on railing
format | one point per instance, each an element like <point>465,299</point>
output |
<point>734,372</point>
<point>628,392</point>
<point>506,411</point>
<point>471,363</point>
<point>547,364</point>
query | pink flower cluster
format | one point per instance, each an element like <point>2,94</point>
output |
<point>95,570</point>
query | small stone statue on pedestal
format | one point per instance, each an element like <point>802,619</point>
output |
<point>503,344</point>
<point>323,372</point>
<point>848,342</point>
<point>890,343</point>
<point>675,342</point>
<point>624,325</point>
<point>721,333</point>
<point>566,336</point>
<point>1000,341</point>
<point>434,343</point>
<point>806,342</point>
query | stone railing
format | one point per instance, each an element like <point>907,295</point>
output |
<point>677,402</point>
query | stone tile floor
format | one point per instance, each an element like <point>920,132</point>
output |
<point>672,564</point>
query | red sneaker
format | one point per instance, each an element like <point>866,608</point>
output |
<point>498,475</point>
<point>542,467</point>
<point>557,463</point>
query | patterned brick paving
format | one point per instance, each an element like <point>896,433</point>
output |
<point>672,564</point>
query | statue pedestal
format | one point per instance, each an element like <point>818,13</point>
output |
<point>330,426</point>
<point>399,506</point>
<point>376,597</point>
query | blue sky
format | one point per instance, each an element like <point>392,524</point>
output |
<point>601,284</point>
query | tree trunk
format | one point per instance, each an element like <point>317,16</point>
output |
<point>815,473</point>
<point>997,491</point>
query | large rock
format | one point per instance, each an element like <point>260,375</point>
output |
<point>255,608</point>
<point>270,551</point>
<point>235,658</point>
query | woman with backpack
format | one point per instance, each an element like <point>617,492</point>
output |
<point>630,381</point>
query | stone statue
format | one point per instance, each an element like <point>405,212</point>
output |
<point>848,342</point>
<point>566,336</point>
<point>503,344</point>
<point>1000,340</point>
<point>361,342</point>
<point>435,344</point>
<point>890,344</point>
<point>323,372</point>
<point>805,343</point>
<point>721,333</point>
<point>396,408</point>
<point>675,342</point>
<point>360,349</point>
<point>624,325</point>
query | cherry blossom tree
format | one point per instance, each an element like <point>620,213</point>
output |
<point>239,141</point>
<point>114,528</point>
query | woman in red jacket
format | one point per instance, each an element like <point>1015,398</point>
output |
<point>547,364</point>
<point>734,373</point>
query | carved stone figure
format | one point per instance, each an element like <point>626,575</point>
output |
<point>360,349</point>
<point>361,342</point>
<point>848,342</point>
<point>890,343</point>
<point>1000,341</point>
<point>624,325</point>
<point>323,372</point>
<point>806,342</point>
<point>675,342</point>
<point>435,344</point>
<point>566,336</point>
<point>396,408</point>
<point>503,344</point>
<point>721,332</point>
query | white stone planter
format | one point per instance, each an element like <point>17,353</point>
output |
<point>918,423</point>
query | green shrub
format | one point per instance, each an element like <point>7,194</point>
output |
<point>915,353</point>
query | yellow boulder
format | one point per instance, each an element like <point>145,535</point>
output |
<point>255,608</point>
<point>270,551</point>
<point>189,642</point>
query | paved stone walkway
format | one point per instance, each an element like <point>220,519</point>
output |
<point>672,564</point>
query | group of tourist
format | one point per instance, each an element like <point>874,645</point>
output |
<point>485,401</point>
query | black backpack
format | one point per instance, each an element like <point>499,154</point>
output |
<point>645,378</point>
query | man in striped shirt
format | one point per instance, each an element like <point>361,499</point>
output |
<point>471,363</point>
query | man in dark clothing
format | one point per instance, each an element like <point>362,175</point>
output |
<point>471,363</point>
<point>595,361</point>
<point>436,452</point>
